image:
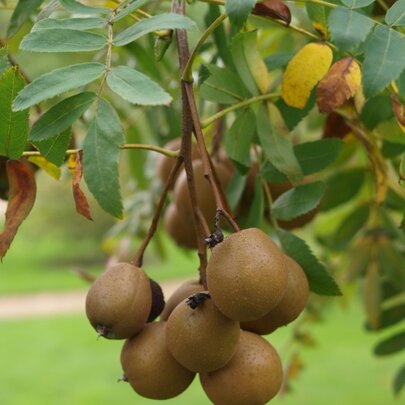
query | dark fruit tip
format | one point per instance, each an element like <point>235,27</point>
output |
<point>195,300</point>
<point>102,331</point>
<point>123,378</point>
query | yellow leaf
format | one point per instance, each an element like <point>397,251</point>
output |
<point>341,83</point>
<point>303,73</point>
<point>46,166</point>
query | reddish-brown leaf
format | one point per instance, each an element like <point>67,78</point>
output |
<point>341,83</point>
<point>335,126</point>
<point>398,109</point>
<point>21,199</point>
<point>276,9</point>
<point>82,205</point>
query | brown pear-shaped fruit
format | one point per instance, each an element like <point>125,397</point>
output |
<point>246,275</point>
<point>291,305</point>
<point>179,225</point>
<point>252,377</point>
<point>119,302</point>
<point>165,164</point>
<point>181,293</point>
<point>205,195</point>
<point>201,339</point>
<point>150,368</point>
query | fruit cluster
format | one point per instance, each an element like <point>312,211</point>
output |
<point>253,288</point>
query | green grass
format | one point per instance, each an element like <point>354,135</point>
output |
<point>59,361</point>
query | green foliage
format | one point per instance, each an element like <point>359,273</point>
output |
<point>54,148</point>
<point>78,8</point>
<point>238,11</point>
<point>61,116</point>
<point>391,345</point>
<point>396,14</point>
<point>57,82</point>
<point>320,281</point>
<point>357,3</point>
<point>70,23</point>
<point>298,201</point>
<point>101,150</point>
<point>21,14</point>
<point>13,125</point>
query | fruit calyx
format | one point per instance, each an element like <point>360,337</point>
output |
<point>195,300</point>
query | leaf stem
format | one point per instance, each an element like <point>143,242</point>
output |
<point>126,146</point>
<point>187,73</point>
<point>208,121</point>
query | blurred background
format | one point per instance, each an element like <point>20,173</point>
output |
<point>49,353</point>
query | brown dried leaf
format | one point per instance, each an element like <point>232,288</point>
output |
<point>82,205</point>
<point>21,199</point>
<point>274,9</point>
<point>398,109</point>
<point>341,83</point>
<point>335,126</point>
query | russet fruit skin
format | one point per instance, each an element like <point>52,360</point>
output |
<point>183,292</point>
<point>150,368</point>
<point>119,301</point>
<point>201,339</point>
<point>252,377</point>
<point>180,227</point>
<point>164,164</point>
<point>246,275</point>
<point>291,305</point>
<point>205,196</point>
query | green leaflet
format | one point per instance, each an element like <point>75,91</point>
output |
<point>70,23</point>
<point>222,86</point>
<point>129,9</point>
<point>101,152</point>
<point>21,14</point>
<point>396,14</point>
<point>376,110</point>
<point>342,187</point>
<point>319,17</point>
<point>277,147</point>
<point>391,345</point>
<point>312,156</point>
<point>255,217</point>
<point>78,8</point>
<point>13,125</point>
<point>157,22</point>
<point>320,281</point>
<point>239,57</point>
<point>136,87</point>
<point>348,29</point>
<point>61,116</point>
<point>4,62</point>
<point>56,82</point>
<point>384,59</point>
<point>357,3</point>
<point>238,11</point>
<point>238,139</point>
<point>54,149</point>
<point>62,40</point>
<point>399,381</point>
<point>298,201</point>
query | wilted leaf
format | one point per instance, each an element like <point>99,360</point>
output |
<point>82,205</point>
<point>341,83</point>
<point>13,125</point>
<point>335,126</point>
<point>303,73</point>
<point>274,9</point>
<point>20,202</point>
<point>372,295</point>
<point>384,59</point>
<point>46,166</point>
<point>398,109</point>
<point>320,281</point>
